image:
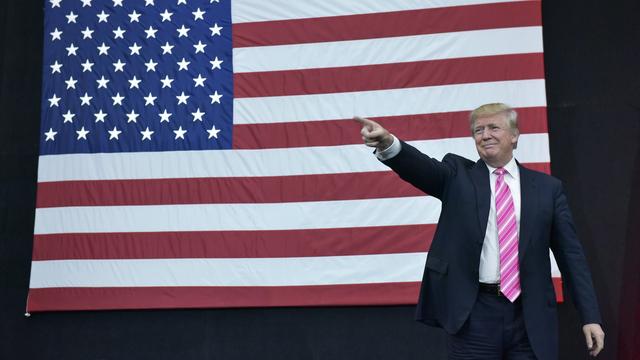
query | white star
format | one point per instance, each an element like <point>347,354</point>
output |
<point>166,49</point>
<point>86,3</point>
<point>117,3</point>
<point>55,68</point>
<point>182,2</point>
<point>213,132</point>
<point>86,33</point>
<point>57,34</point>
<point>86,99</point>
<point>113,134</point>
<point>71,50</point>
<point>149,100</point>
<point>134,16</point>
<point>183,64</point>
<point>134,83</point>
<point>197,116</point>
<point>198,14</point>
<point>164,116</point>
<point>103,49</point>
<point>199,81</point>
<point>55,3</point>
<point>148,2</point>
<point>211,1</point>
<point>102,17</point>
<point>71,18</point>
<point>135,49</point>
<point>166,15</point>
<point>119,33</point>
<point>50,135</point>
<point>102,82</point>
<point>87,66</point>
<point>215,98</point>
<point>71,84</point>
<point>132,116</point>
<point>151,32</point>
<point>199,47</point>
<point>68,117</point>
<point>183,31</point>
<point>119,66</point>
<point>215,30</point>
<point>146,134</point>
<point>82,133</point>
<point>179,133</point>
<point>182,98</point>
<point>117,100</point>
<point>166,82</point>
<point>151,66</point>
<point>54,101</point>
<point>215,63</point>
<point>100,116</point>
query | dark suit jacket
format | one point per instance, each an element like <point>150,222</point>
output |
<point>450,282</point>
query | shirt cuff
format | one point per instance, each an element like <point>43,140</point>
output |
<point>391,151</point>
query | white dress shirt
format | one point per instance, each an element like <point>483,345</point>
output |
<point>489,271</point>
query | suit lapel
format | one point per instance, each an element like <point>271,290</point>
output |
<point>480,177</point>
<point>528,209</point>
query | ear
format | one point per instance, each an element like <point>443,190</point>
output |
<point>514,139</point>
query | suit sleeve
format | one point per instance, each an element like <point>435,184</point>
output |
<point>420,170</point>
<point>571,260</point>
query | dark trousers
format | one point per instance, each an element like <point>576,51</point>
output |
<point>495,330</point>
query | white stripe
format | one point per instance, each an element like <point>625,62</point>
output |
<point>555,271</point>
<point>204,217</point>
<point>511,259</point>
<point>261,10</point>
<point>395,102</point>
<point>388,50</point>
<point>325,270</point>
<point>504,204</point>
<point>514,276</point>
<point>250,163</point>
<point>508,241</point>
<point>508,222</point>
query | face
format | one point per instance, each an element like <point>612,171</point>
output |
<point>495,140</point>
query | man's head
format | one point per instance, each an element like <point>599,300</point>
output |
<point>494,128</point>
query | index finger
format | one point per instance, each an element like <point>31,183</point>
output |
<point>369,124</point>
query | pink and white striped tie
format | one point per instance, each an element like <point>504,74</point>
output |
<point>507,239</point>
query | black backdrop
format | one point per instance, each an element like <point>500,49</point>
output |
<point>592,56</point>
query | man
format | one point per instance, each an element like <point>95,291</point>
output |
<point>487,278</point>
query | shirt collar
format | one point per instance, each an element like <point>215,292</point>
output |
<point>511,167</point>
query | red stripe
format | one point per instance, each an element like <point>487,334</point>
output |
<point>235,244</point>
<point>222,297</point>
<point>345,131</point>
<point>542,167</point>
<point>389,76</point>
<point>557,286</point>
<point>268,189</point>
<point>225,297</point>
<point>388,24</point>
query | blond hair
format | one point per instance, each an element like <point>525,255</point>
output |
<point>493,109</point>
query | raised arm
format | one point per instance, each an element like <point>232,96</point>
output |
<point>418,169</point>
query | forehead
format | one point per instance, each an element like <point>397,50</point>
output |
<point>495,119</point>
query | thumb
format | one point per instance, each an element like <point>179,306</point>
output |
<point>588,338</point>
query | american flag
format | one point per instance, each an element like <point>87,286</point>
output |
<point>200,153</point>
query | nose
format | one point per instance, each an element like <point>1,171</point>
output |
<point>486,135</point>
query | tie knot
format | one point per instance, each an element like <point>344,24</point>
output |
<point>500,171</point>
